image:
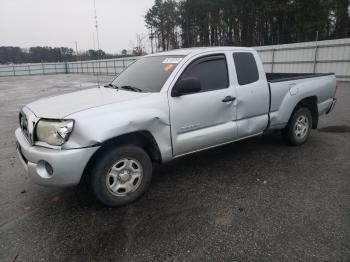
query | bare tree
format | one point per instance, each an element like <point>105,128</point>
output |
<point>139,49</point>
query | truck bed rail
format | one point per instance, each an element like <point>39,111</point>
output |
<point>280,77</point>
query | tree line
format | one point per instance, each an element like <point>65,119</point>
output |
<point>188,23</point>
<point>38,54</point>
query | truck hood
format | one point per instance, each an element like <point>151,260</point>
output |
<point>59,107</point>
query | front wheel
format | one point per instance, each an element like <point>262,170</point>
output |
<point>299,127</point>
<point>121,175</point>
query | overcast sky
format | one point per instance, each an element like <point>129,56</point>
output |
<point>28,23</point>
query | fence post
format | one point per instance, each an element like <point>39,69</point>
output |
<point>273,59</point>
<point>315,54</point>
<point>29,73</point>
<point>315,58</point>
<point>115,69</point>
<point>66,67</point>
<point>42,66</point>
<point>13,69</point>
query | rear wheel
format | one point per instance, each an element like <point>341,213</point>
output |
<point>121,175</point>
<point>299,127</point>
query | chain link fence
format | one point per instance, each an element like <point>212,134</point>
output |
<point>96,67</point>
<point>33,69</point>
<point>100,67</point>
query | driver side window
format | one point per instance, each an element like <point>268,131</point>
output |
<point>210,70</point>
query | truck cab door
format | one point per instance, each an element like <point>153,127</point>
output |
<point>253,98</point>
<point>206,118</point>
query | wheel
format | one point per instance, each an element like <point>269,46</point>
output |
<point>121,175</point>
<point>299,127</point>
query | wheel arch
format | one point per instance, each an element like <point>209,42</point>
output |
<point>143,139</point>
<point>311,104</point>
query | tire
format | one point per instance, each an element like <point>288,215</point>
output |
<point>299,127</point>
<point>121,175</point>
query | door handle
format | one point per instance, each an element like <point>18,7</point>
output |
<point>228,99</point>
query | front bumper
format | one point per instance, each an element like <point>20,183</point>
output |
<point>52,167</point>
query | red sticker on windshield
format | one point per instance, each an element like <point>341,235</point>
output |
<point>168,67</point>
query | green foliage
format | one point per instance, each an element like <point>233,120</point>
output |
<point>10,54</point>
<point>162,19</point>
<point>38,54</point>
<point>189,23</point>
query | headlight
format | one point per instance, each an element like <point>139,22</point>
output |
<point>54,132</point>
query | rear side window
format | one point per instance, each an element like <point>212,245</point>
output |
<point>246,68</point>
<point>211,71</point>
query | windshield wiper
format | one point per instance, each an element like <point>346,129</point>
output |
<point>112,85</point>
<point>131,88</point>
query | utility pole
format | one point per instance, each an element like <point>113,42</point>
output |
<point>96,26</point>
<point>93,40</point>
<point>98,45</point>
<point>76,48</point>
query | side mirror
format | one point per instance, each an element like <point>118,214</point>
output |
<point>188,85</point>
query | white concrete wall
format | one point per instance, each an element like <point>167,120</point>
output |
<point>308,57</point>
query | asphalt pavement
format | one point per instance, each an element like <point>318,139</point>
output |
<point>255,200</point>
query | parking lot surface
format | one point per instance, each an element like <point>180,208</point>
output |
<point>255,200</point>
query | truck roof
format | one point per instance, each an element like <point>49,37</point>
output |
<point>198,50</point>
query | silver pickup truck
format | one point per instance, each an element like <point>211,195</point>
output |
<point>161,107</point>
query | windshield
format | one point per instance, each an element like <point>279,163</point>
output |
<point>147,74</point>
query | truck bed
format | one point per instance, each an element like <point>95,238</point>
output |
<point>280,77</point>
<point>287,89</point>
